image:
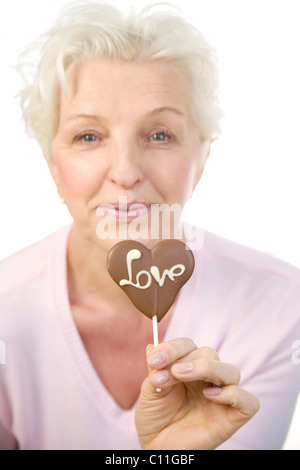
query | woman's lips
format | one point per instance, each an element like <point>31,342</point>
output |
<point>125,212</point>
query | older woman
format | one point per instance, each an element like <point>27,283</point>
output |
<point>125,110</point>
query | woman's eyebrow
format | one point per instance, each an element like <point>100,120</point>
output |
<point>163,109</point>
<point>154,112</point>
<point>75,117</point>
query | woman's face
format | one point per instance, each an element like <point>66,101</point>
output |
<point>125,136</point>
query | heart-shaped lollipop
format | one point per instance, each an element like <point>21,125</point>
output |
<point>151,278</point>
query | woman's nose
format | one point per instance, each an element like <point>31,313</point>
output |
<point>125,165</point>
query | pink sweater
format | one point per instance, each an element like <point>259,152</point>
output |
<point>243,303</point>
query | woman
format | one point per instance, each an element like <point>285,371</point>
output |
<point>125,111</point>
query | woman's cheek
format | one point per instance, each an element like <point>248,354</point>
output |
<point>76,179</point>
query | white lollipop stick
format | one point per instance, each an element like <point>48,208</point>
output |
<point>155,330</point>
<point>155,336</point>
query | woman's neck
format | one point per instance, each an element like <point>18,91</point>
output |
<point>88,277</point>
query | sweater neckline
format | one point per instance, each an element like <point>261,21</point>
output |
<point>77,352</point>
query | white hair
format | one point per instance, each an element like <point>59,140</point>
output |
<point>86,30</point>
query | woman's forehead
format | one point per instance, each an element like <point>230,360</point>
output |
<point>113,86</point>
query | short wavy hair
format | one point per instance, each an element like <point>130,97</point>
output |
<point>90,29</point>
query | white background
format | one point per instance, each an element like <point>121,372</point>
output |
<point>249,191</point>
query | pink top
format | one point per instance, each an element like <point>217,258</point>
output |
<point>243,303</point>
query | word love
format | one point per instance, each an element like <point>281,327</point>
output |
<point>154,270</point>
<point>151,278</point>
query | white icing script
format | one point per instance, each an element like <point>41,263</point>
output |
<point>160,279</point>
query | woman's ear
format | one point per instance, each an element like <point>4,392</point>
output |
<point>203,157</point>
<point>54,172</point>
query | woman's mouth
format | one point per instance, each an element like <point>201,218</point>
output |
<point>124,211</point>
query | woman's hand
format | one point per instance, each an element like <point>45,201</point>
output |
<point>200,404</point>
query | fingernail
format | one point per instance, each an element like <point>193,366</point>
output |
<point>183,367</point>
<point>160,377</point>
<point>212,391</point>
<point>156,359</point>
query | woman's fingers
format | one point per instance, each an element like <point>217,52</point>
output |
<point>205,397</point>
<point>237,398</point>
<point>161,357</point>
<point>207,370</point>
<point>165,354</point>
<point>202,369</point>
<point>181,360</point>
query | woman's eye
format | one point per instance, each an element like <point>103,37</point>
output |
<point>89,138</point>
<point>86,138</point>
<point>160,137</point>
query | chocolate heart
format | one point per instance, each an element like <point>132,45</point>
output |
<point>151,278</point>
